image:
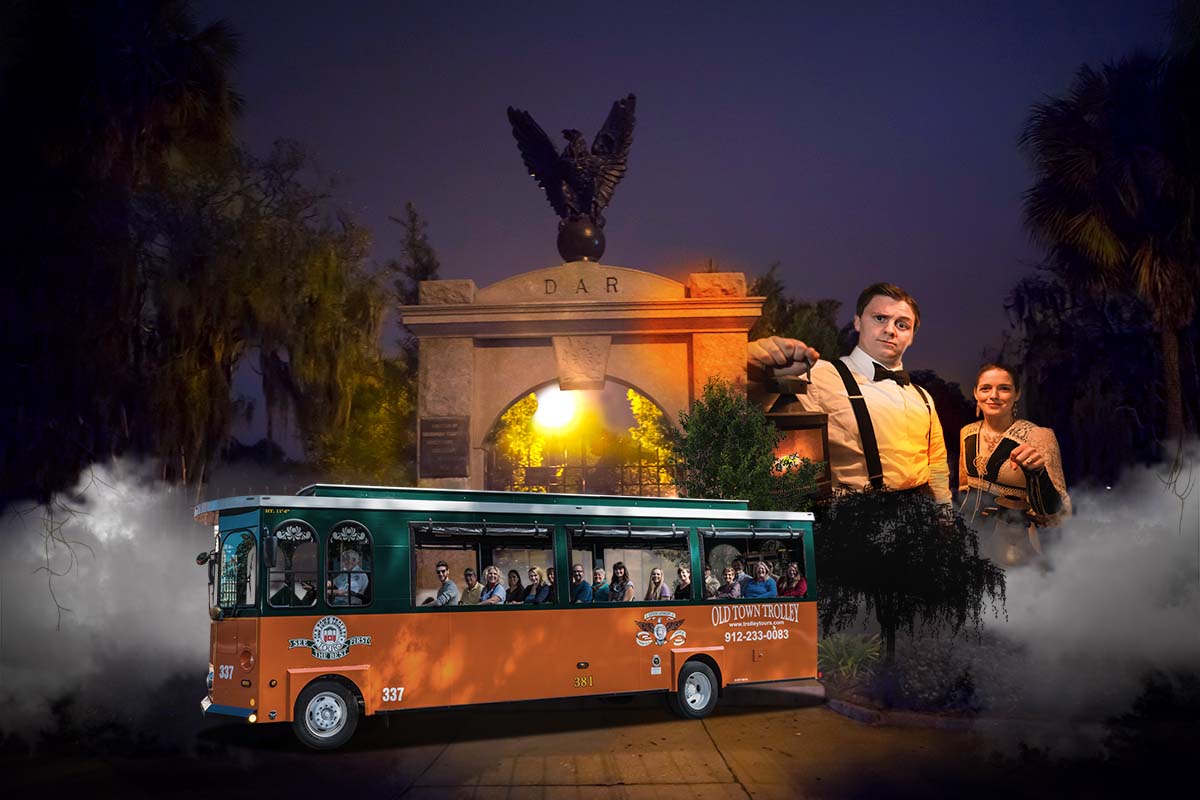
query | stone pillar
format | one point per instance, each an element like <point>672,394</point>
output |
<point>717,354</point>
<point>446,373</point>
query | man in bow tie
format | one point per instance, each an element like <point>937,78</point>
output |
<point>883,429</point>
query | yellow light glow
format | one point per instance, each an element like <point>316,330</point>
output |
<point>555,408</point>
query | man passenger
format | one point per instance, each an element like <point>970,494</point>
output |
<point>470,595</point>
<point>448,592</point>
<point>739,573</point>
<point>600,593</point>
<point>581,590</point>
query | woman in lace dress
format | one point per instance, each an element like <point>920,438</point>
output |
<point>1010,473</point>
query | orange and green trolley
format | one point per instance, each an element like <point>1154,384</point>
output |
<point>323,604</point>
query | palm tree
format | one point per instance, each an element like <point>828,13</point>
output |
<point>1112,200</point>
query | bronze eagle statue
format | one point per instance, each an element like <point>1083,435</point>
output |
<point>578,182</point>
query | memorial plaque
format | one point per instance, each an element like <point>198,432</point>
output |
<point>445,447</point>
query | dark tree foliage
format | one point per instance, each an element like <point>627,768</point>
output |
<point>727,447</point>
<point>815,324</point>
<point>1089,367</point>
<point>954,411</point>
<point>904,558</point>
<point>98,99</point>
<point>417,262</point>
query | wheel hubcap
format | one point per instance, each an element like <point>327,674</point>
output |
<point>326,714</point>
<point>696,691</point>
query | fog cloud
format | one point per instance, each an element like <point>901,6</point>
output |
<point>1121,597</point>
<point>133,600</point>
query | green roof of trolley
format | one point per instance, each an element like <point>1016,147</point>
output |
<point>540,498</point>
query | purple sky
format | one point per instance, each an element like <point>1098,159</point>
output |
<point>852,146</point>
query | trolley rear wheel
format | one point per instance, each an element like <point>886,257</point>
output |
<point>697,695</point>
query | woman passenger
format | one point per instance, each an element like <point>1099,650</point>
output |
<point>620,588</point>
<point>683,590</point>
<point>730,589</point>
<point>493,593</point>
<point>516,590</point>
<point>793,584</point>
<point>656,590</point>
<point>538,591</point>
<point>762,585</point>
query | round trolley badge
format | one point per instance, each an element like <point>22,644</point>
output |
<point>329,641</point>
<point>657,627</point>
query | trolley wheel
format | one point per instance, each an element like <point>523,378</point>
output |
<point>326,715</point>
<point>697,695</point>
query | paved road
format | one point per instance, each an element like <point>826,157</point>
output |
<point>584,750</point>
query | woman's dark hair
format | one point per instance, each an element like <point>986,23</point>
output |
<point>1012,373</point>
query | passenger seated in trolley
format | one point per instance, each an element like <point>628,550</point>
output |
<point>538,591</point>
<point>447,593</point>
<point>683,589</point>
<point>470,595</point>
<point>621,589</point>
<point>600,591</point>
<point>793,583</point>
<point>349,588</point>
<point>493,592</point>
<point>730,589</point>
<point>762,585</point>
<point>656,589</point>
<point>581,590</point>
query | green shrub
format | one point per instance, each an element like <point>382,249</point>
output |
<point>845,657</point>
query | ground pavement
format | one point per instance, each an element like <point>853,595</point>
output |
<point>755,746</point>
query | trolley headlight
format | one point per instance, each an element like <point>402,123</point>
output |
<point>211,676</point>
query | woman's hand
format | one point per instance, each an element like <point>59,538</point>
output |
<point>1027,457</point>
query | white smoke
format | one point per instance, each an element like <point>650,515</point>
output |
<point>133,608</point>
<point>1120,600</point>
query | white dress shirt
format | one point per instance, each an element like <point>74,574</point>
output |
<point>911,447</point>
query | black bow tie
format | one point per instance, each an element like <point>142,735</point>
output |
<point>885,374</point>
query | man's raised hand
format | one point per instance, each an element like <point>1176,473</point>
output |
<point>784,356</point>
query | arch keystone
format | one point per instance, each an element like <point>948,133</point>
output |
<point>582,361</point>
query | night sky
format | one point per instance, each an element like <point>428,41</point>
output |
<point>852,146</point>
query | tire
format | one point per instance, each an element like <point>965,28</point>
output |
<point>326,715</point>
<point>697,695</point>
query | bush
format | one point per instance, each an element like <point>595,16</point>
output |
<point>843,657</point>
<point>728,449</point>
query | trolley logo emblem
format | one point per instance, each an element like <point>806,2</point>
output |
<point>657,626</point>
<point>329,641</point>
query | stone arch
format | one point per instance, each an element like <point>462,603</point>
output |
<point>580,325</point>
<point>602,448</point>
<point>491,426</point>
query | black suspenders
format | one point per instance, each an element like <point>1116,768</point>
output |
<point>866,430</point>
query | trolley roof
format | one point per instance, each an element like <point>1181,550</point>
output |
<point>430,501</point>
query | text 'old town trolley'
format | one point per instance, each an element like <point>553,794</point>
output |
<point>349,600</point>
